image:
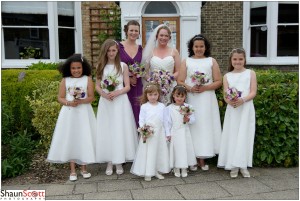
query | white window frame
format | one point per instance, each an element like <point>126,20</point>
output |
<point>272,24</point>
<point>53,38</point>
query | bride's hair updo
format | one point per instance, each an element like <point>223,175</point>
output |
<point>131,22</point>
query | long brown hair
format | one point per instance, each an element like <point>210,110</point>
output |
<point>103,58</point>
<point>150,88</point>
<point>239,51</point>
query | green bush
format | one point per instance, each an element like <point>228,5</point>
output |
<point>46,109</point>
<point>276,140</point>
<point>16,155</point>
<point>43,66</point>
<point>276,107</point>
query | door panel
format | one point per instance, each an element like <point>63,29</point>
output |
<point>150,23</point>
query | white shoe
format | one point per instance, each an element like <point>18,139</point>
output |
<point>205,168</point>
<point>73,177</point>
<point>184,172</point>
<point>159,176</point>
<point>109,169</point>
<point>120,169</point>
<point>234,172</point>
<point>147,178</point>
<point>85,174</point>
<point>193,168</point>
<point>245,173</point>
<point>176,172</point>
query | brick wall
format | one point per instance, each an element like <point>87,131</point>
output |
<point>86,31</point>
<point>222,24</point>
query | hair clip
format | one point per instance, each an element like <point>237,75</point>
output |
<point>116,42</point>
<point>198,37</point>
<point>82,59</point>
<point>180,86</point>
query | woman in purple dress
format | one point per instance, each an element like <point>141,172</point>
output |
<point>131,52</point>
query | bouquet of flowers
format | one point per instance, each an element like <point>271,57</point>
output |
<point>163,78</point>
<point>199,78</point>
<point>186,110</point>
<point>76,92</point>
<point>233,94</point>
<point>110,83</point>
<point>137,69</point>
<point>146,131</point>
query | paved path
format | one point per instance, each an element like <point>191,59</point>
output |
<point>265,183</point>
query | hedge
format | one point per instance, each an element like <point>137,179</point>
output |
<point>276,106</point>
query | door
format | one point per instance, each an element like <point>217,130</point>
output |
<point>150,23</point>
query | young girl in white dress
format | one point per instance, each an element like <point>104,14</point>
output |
<point>116,139</point>
<point>74,135</point>
<point>152,157</point>
<point>178,133</point>
<point>206,131</point>
<point>237,141</point>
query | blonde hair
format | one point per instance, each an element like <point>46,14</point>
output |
<point>166,28</point>
<point>238,51</point>
<point>103,58</point>
<point>150,88</point>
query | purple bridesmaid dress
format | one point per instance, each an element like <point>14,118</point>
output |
<point>135,91</point>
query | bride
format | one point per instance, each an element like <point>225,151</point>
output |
<point>158,55</point>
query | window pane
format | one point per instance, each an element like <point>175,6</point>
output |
<point>65,13</point>
<point>66,21</point>
<point>150,26</point>
<point>160,7</point>
<point>24,19</point>
<point>258,42</point>
<point>66,43</point>
<point>172,26</point>
<point>288,13</point>
<point>16,39</point>
<point>258,13</point>
<point>288,41</point>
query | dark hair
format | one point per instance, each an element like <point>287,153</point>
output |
<point>180,90</point>
<point>190,45</point>
<point>131,22</point>
<point>65,70</point>
<point>239,51</point>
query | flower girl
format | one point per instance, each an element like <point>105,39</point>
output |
<point>74,134</point>
<point>237,140</point>
<point>177,116</point>
<point>152,154</point>
<point>116,140</point>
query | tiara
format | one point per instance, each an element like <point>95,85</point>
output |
<point>198,37</point>
<point>116,42</point>
<point>179,86</point>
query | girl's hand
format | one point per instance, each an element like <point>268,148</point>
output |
<point>236,103</point>
<point>186,118</point>
<point>133,80</point>
<point>72,103</point>
<point>112,95</point>
<point>168,138</point>
<point>105,95</point>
